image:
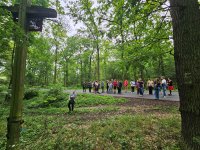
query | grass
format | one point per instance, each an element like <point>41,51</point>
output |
<point>98,122</point>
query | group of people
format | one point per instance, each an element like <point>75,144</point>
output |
<point>111,86</point>
<point>158,85</point>
<point>162,85</point>
<point>115,87</point>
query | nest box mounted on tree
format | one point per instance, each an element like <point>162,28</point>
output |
<point>35,15</point>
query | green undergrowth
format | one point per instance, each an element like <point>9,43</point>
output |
<point>135,132</point>
<point>97,123</point>
<point>80,110</point>
<point>60,100</point>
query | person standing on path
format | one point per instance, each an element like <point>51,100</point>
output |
<point>170,86</point>
<point>107,85</point>
<point>119,87</point>
<point>102,87</point>
<point>126,85</point>
<point>137,87</point>
<point>71,102</point>
<point>110,89</point>
<point>115,85</point>
<point>157,88</point>
<point>141,87</point>
<point>150,86</point>
<point>90,86</point>
<point>164,86</point>
<point>133,84</point>
<point>96,87</point>
<point>84,85</point>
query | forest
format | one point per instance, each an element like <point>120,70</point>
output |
<point>131,41</point>
<point>99,40</point>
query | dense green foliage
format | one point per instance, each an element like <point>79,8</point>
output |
<point>118,39</point>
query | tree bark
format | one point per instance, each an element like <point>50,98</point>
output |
<point>55,63</point>
<point>66,73</point>
<point>90,68</point>
<point>15,116</point>
<point>81,65</point>
<point>98,62</point>
<point>162,67</point>
<point>186,34</point>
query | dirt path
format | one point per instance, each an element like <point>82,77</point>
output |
<point>174,97</point>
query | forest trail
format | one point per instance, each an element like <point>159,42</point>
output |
<point>173,97</point>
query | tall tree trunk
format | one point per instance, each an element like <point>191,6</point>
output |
<point>125,64</point>
<point>66,74</point>
<point>142,72</point>
<point>98,62</point>
<point>186,33</point>
<point>55,65</point>
<point>65,82</point>
<point>46,76</point>
<point>81,82</point>
<point>162,66</point>
<point>15,116</point>
<point>90,68</point>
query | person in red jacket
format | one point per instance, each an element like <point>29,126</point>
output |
<point>126,85</point>
<point>115,85</point>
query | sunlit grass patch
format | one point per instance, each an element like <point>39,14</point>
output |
<point>84,100</point>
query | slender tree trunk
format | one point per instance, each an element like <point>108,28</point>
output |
<point>161,66</point>
<point>90,68</point>
<point>81,72</point>
<point>142,72</point>
<point>125,69</point>
<point>15,117</point>
<point>46,76</point>
<point>65,82</point>
<point>66,74</point>
<point>122,43</point>
<point>55,65</point>
<point>98,62</point>
<point>186,34</point>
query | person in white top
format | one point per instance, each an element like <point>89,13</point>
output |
<point>164,86</point>
<point>132,83</point>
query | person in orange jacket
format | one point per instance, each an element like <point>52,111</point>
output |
<point>126,85</point>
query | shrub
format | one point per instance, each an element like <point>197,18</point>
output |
<point>3,88</point>
<point>54,92</point>
<point>29,94</point>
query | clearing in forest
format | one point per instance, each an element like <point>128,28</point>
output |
<point>98,122</point>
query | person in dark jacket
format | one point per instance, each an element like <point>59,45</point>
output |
<point>157,87</point>
<point>119,87</point>
<point>71,102</point>
<point>84,85</point>
<point>90,86</point>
